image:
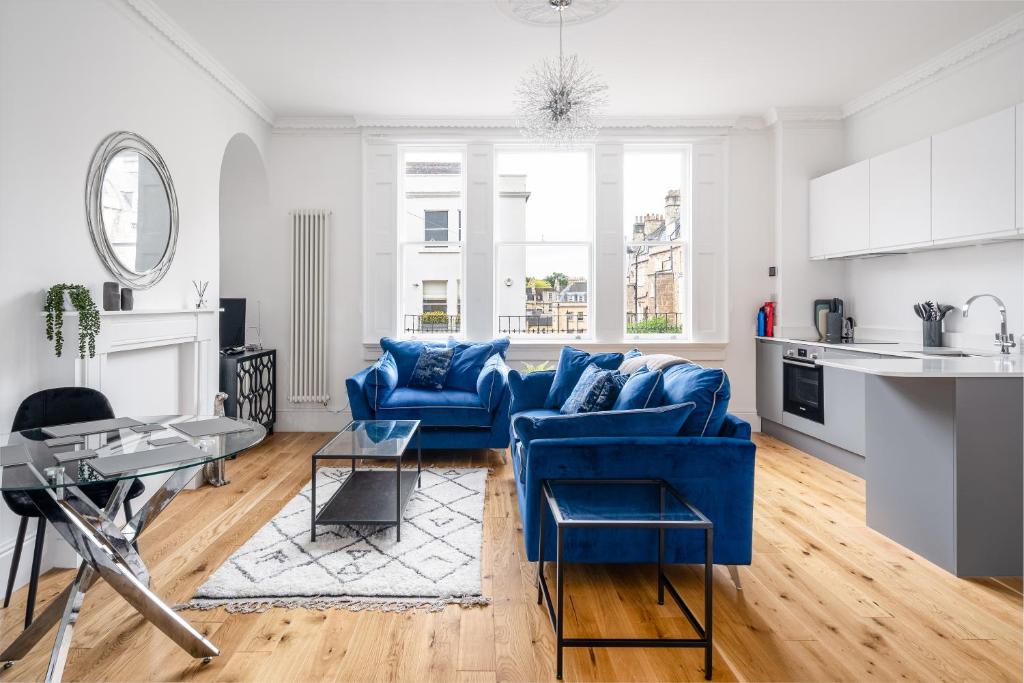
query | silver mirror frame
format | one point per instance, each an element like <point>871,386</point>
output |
<point>110,147</point>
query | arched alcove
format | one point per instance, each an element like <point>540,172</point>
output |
<point>247,266</point>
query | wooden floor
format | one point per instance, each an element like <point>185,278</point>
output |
<point>826,599</point>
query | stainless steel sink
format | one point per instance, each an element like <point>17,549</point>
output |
<point>952,353</point>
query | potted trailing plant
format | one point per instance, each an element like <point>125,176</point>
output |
<point>88,317</point>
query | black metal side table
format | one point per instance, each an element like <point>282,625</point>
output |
<point>572,508</point>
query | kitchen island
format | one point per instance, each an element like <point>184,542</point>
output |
<point>944,457</point>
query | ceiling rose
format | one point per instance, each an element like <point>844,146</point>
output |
<point>539,11</point>
<point>559,99</point>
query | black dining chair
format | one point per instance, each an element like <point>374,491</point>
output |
<point>65,405</point>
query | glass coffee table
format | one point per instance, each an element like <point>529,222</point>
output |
<point>369,497</point>
<point>622,504</point>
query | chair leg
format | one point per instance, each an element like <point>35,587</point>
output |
<point>33,582</point>
<point>15,559</point>
<point>734,574</point>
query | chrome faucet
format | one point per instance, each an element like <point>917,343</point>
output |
<point>1004,341</point>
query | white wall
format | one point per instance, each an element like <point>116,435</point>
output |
<point>310,171</point>
<point>70,74</point>
<point>881,291</point>
<point>801,150</point>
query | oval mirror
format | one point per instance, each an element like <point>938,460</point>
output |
<point>132,210</point>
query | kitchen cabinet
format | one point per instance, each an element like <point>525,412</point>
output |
<point>838,212</point>
<point>974,179</point>
<point>769,380</point>
<point>1020,168</point>
<point>900,206</point>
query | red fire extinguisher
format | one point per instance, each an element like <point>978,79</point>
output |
<point>769,315</point>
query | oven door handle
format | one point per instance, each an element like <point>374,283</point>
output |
<point>799,363</point>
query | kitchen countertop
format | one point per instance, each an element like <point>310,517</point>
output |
<point>1000,365</point>
<point>910,360</point>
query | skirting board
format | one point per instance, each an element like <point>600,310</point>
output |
<point>841,458</point>
<point>311,420</point>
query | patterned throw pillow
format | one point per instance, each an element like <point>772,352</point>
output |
<point>432,367</point>
<point>596,390</point>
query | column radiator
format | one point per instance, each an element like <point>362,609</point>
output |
<point>308,362</point>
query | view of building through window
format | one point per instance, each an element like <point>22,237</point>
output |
<point>544,233</point>
<point>431,207</point>
<point>656,204</point>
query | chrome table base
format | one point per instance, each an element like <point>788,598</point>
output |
<point>107,552</point>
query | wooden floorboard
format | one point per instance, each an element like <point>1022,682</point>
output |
<point>826,599</point>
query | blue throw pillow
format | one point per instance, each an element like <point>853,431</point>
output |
<point>596,391</point>
<point>490,385</point>
<point>381,380</point>
<point>406,354</point>
<point>467,362</point>
<point>642,389</point>
<point>432,368</point>
<point>571,364</point>
<point>708,388</point>
<point>661,421</point>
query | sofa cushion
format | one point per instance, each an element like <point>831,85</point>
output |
<point>406,353</point>
<point>571,364</point>
<point>708,388</point>
<point>642,389</point>
<point>491,383</point>
<point>447,408</point>
<point>467,363</point>
<point>595,391</point>
<point>432,368</point>
<point>660,421</point>
<point>381,380</point>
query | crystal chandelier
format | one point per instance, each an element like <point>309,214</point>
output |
<point>558,100</point>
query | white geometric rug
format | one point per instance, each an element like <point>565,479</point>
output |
<point>436,563</point>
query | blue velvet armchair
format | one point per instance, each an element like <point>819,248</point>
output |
<point>474,414</point>
<point>714,472</point>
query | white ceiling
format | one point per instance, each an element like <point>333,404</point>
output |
<point>424,58</point>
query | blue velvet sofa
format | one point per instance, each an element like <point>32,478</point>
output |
<point>472,411</point>
<point>713,470</point>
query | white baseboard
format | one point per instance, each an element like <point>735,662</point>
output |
<point>319,420</point>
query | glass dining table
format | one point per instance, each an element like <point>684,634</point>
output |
<point>50,466</point>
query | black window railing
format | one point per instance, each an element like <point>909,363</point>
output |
<point>432,322</point>
<point>544,323</point>
<point>654,323</point>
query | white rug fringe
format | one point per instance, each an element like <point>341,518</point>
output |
<point>353,604</point>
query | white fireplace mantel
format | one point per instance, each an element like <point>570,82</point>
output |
<point>194,330</point>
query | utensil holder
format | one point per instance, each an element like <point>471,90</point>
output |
<point>932,332</point>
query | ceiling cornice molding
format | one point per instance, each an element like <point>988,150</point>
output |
<point>803,117</point>
<point>937,66</point>
<point>315,123</point>
<point>157,20</point>
<point>329,123</point>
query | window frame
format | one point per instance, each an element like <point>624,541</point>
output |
<point>685,243</point>
<point>589,245</point>
<point>425,246</point>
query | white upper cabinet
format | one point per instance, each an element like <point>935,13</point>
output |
<point>901,197</point>
<point>1020,168</point>
<point>838,218</point>
<point>974,179</point>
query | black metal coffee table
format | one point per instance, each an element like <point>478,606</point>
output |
<point>369,497</point>
<point>572,508</point>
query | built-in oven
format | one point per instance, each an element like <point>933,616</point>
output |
<point>803,383</point>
